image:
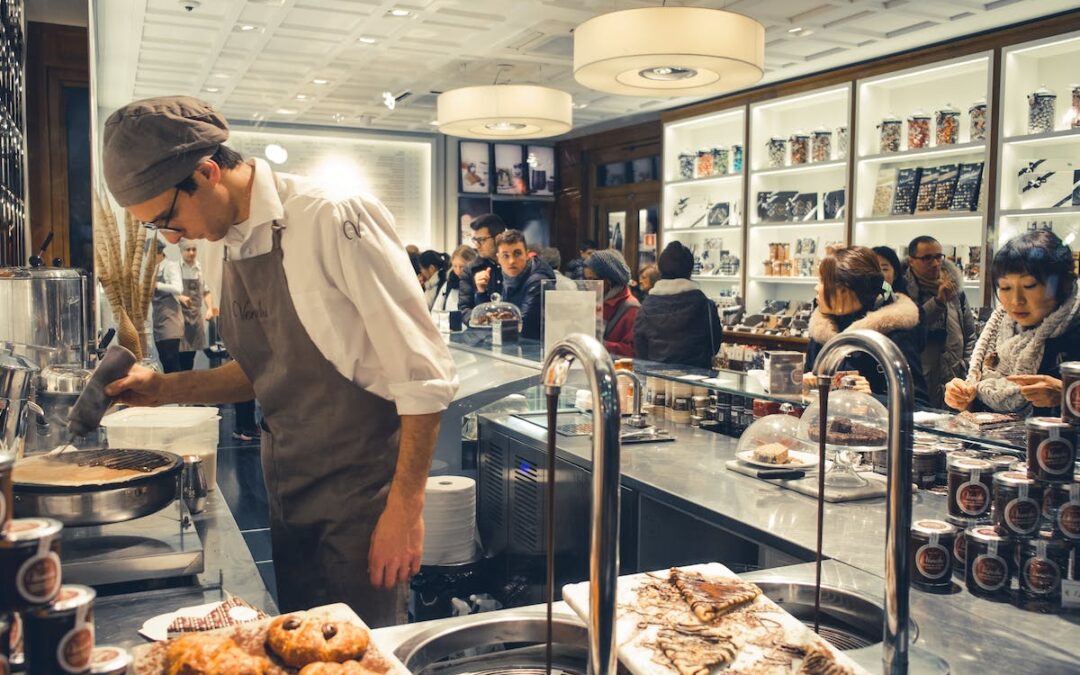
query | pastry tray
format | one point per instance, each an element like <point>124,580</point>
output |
<point>636,637</point>
<point>149,659</point>
<point>808,486</point>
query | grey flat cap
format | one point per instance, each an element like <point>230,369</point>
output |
<point>153,144</point>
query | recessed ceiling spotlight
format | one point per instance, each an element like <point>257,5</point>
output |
<point>212,90</point>
<point>276,153</point>
<point>367,40</point>
<point>220,76</point>
<point>247,28</point>
<point>434,123</point>
<point>796,29</point>
<point>580,106</point>
<point>301,97</point>
<point>389,100</point>
<point>399,12</point>
<point>319,80</point>
<point>286,111</point>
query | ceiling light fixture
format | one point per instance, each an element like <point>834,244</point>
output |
<point>276,153</point>
<point>796,29</point>
<point>389,100</point>
<point>286,111</point>
<point>247,28</point>
<point>580,106</point>
<point>220,76</point>
<point>672,51</point>
<point>399,12</point>
<point>301,97</point>
<point>212,90</point>
<point>505,111</point>
<point>367,40</point>
<point>320,81</point>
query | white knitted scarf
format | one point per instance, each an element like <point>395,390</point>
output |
<point>1005,348</point>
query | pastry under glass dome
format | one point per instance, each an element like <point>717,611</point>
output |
<point>769,430</point>
<point>485,314</point>
<point>857,423</point>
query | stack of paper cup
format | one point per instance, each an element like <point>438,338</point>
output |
<point>449,520</point>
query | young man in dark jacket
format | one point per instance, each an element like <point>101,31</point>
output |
<point>677,323</point>
<point>522,277</point>
<point>485,268</point>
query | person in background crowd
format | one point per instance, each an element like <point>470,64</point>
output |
<point>434,273</point>
<point>1015,366</point>
<point>677,322</point>
<point>937,287</point>
<point>553,258</point>
<point>447,298</point>
<point>620,306</point>
<point>522,278</point>
<point>485,268</point>
<point>199,308</point>
<point>575,269</point>
<point>646,280</point>
<point>891,268</point>
<point>852,295</point>
<point>168,301</point>
<point>414,259</point>
<point>534,250</point>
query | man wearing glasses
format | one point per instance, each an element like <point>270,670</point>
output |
<point>522,277</point>
<point>937,287</point>
<point>328,329</point>
<point>485,269</point>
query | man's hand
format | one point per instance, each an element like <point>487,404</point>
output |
<point>141,386</point>
<point>1042,391</point>
<point>396,545</point>
<point>959,395</point>
<point>481,279</point>
<point>184,300</point>
<point>946,289</point>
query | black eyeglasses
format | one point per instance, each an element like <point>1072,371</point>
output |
<point>929,258</point>
<point>164,226</point>
<point>480,240</point>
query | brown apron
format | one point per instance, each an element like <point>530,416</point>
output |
<point>329,448</point>
<point>194,331</point>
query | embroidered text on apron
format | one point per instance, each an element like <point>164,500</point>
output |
<point>194,331</point>
<point>168,322</point>
<point>329,454</point>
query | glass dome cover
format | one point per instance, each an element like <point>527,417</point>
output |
<point>487,313</point>
<point>772,429</point>
<point>857,422</point>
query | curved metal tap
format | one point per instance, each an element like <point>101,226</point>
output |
<point>637,418</point>
<point>898,497</point>
<point>604,519</point>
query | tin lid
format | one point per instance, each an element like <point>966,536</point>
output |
<point>70,597</point>
<point>949,109</point>
<point>963,453</point>
<point>938,527</point>
<point>987,534</point>
<point>927,451</point>
<point>31,529</point>
<point>1020,466</point>
<point>1044,539</point>
<point>1070,367</point>
<point>107,660</point>
<point>1047,423</point>
<point>1012,478</point>
<point>968,464</point>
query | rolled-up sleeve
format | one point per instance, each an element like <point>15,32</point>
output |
<point>377,277</point>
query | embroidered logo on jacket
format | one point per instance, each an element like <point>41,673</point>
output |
<point>351,230</point>
<point>246,311</point>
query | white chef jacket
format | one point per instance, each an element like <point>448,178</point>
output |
<point>189,272</point>
<point>353,288</point>
<point>171,280</point>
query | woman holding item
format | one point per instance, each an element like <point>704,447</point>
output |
<point>1015,367</point>
<point>851,295</point>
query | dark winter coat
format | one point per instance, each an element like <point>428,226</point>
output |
<point>526,295</point>
<point>898,321</point>
<point>467,288</point>
<point>677,323</point>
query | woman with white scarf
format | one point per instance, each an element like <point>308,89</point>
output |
<point>1015,367</point>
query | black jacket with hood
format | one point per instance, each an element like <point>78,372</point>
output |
<point>677,323</point>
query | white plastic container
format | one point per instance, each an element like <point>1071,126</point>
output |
<point>188,430</point>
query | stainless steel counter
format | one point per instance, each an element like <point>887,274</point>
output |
<point>690,474</point>
<point>228,567</point>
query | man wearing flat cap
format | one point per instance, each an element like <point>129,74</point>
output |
<point>330,332</point>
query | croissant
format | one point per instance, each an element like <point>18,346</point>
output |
<point>211,655</point>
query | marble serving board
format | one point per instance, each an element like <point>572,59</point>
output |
<point>150,659</point>
<point>636,634</point>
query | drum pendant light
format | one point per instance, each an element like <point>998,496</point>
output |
<point>669,51</point>
<point>504,111</point>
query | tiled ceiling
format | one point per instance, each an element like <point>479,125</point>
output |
<point>261,59</point>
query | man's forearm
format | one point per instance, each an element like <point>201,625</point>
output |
<point>225,384</point>
<point>418,434</point>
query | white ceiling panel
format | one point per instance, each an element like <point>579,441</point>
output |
<point>444,44</point>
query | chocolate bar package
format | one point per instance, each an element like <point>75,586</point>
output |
<point>833,205</point>
<point>780,206</point>
<point>883,192</point>
<point>805,206</point>
<point>945,187</point>
<point>924,198</point>
<point>762,204</point>
<point>720,214</point>
<point>907,186</point>
<point>966,196</point>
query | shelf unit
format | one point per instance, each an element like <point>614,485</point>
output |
<point>958,83</point>
<point>804,187</point>
<point>1050,159</point>
<point>690,204</point>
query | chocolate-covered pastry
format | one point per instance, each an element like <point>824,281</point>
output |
<point>300,639</point>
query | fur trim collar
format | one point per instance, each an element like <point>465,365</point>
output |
<point>900,314</point>
<point>673,287</point>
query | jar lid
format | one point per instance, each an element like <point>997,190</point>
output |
<point>1047,423</point>
<point>822,130</point>
<point>987,534</point>
<point>1012,478</point>
<point>800,134</point>
<point>939,527</point>
<point>1044,91</point>
<point>70,597</point>
<point>1020,466</point>
<point>919,115</point>
<point>1070,367</point>
<point>979,103</point>
<point>32,529</point>
<point>948,108</point>
<point>969,464</point>
<point>107,659</point>
<point>890,117</point>
<point>1002,461</point>
<point>929,452</point>
<point>1045,538</point>
<point>963,453</point>
<point>777,139</point>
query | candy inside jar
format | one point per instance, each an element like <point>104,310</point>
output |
<point>890,134</point>
<point>947,125</point>
<point>822,145</point>
<point>736,159</point>
<point>1041,105</point>
<point>704,164</point>
<point>687,161</point>
<point>720,161</point>
<point>777,152</point>
<point>841,142</point>
<point>1074,113</point>
<point>800,148</point>
<point>977,116</point>
<point>918,131</point>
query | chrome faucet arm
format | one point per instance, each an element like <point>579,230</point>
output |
<point>604,519</point>
<point>637,419</point>
<point>898,498</point>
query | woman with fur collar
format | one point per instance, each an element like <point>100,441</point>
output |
<point>1015,367</point>
<point>852,294</point>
